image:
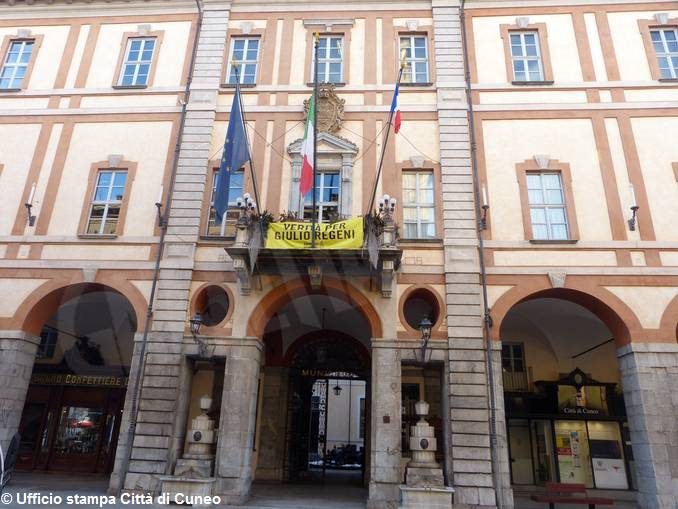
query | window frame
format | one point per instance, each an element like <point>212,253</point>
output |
<point>95,169</point>
<point>208,202</point>
<point>544,54</point>
<point>418,205</point>
<point>319,202</point>
<point>229,59</point>
<point>122,57</point>
<point>437,197</point>
<point>345,35</point>
<point>4,51</point>
<point>553,166</point>
<point>512,357</point>
<point>646,27</point>
<point>428,47</point>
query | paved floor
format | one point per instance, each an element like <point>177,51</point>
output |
<point>341,491</point>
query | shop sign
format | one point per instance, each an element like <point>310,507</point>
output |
<point>346,234</point>
<point>63,379</point>
<point>581,411</point>
<point>326,373</point>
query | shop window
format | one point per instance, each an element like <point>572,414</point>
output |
<point>213,304</point>
<point>235,189</point>
<point>245,54</point>
<point>419,304</point>
<point>414,52</point>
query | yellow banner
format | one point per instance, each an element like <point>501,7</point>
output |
<point>340,235</point>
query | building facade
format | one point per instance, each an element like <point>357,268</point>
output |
<point>524,126</point>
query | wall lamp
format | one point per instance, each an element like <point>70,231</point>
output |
<point>484,208</point>
<point>158,205</point>
<point>203,348</point>
<point>634,209</point>
<point>337,389</point>
<point>29,206</point>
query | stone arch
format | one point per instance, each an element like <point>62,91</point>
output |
<point>668,327</point>
<point>294,288</point>
<point>621,321</point>
<point>358,351</point>
<point>46,299</point>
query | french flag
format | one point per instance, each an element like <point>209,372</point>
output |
<point>395,110</point>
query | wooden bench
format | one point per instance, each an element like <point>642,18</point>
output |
<point>557,493</point>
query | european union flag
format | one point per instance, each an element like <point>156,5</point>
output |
<point>234,156</point>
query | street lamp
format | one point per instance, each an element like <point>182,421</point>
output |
<point>425,327</point>
<point>196,323</point>
<point>337,389</point>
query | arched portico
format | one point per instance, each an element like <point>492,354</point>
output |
<point>548,335</point>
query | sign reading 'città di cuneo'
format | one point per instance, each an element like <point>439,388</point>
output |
<point>346,234</point>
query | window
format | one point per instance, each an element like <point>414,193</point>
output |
<point>415,53</point>
<point>16,64</point>
<point>327,188</point>
<point>512,357</point>
<point>418,205</point>
<point>136,67</point>
<point>107,202</point>
<point>665,42</point>
<point>526,56</point>
<point>329,59</point>
<point>547,206</point>
<point>227,226</point>
<point>245,53</point>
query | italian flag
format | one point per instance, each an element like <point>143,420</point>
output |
<point>307,150</point>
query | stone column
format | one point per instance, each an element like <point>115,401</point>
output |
<point>17,354</point>
<point>237,423</point>
<point>385,429</point>
<point>272,429</point>
<point>649,376</point>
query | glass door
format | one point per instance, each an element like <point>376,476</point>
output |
<point>520,451</point>
<point>543,457</point>
<point>572,448</point>
<point>76,443</point>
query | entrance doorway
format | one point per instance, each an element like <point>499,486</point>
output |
<point>73,409</point>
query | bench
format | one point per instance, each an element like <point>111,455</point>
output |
<point>557,493</point>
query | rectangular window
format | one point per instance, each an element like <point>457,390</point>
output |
<point>526,56</point>
<point>418,205</point>
<point>245,54</point>
<point>547,206</point>
<point>330,59</point>
<point>327,189</point>
<point>665,42</point>
<point>107,202</point>
<point>414,50</point>
<point>512,357</point>
<point>227,226</point>
<point>16,63</point>
<point>136,67</point>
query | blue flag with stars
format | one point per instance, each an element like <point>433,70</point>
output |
<point>234,156</point>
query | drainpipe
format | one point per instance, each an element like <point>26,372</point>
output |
<point>487,320</point>
<point>163,219</point>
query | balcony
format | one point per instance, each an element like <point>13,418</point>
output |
<point>375,252</point>
<point>516,381</point>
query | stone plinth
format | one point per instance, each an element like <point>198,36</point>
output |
<point>186,486</point>
<point>425,498</point>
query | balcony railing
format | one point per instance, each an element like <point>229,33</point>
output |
<point>378,257</point>
<point>516,381</point>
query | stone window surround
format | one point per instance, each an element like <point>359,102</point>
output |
<point>158,35</point>
<point>646,26</point>
<point>420,165</point>
<point>540,28</point>
<point>4,49</point>
<point>424,31</point>
<point>213,168</point>
<point>95,169</point>
<point>329,28</point>
<point>553,165</point>
<point>344,153</point>
<point>239,33</point>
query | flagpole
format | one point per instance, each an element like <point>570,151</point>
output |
<point>383,146</point>
<point>314,218</point>
<point>247,138</point>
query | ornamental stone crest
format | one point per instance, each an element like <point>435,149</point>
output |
<point>330,109</point>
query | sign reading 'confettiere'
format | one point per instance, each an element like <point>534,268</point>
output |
<point>63,379</point>
<point>292,235</point>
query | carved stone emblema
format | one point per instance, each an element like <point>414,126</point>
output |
<point>330,109</point>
